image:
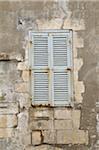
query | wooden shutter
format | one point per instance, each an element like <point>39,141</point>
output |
<point>40,82</point>
<point>40,50</point>
<point>61,74</point>
<point>61,88</point>
<point>61,50</point>
<point>51,58</point>
<point>41,88</point>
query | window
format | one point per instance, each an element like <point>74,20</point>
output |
<point>51,64</point>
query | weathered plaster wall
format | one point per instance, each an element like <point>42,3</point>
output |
<point>89,70</point>
<point>24,127</point>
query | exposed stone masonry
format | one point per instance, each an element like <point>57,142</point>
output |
<point>22,125</point>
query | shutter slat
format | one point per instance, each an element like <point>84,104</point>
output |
<point>51,50</point>
<point>60,53</point>
<point>40,50</point>
<point>41,90</point>
<point>61,87</point>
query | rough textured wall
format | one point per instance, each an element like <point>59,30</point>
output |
<point>24,127</point>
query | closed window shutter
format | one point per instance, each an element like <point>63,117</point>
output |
<point>40,63</point>
<point>61,74</point>
<point>60,51</point>
<point>51,78</point>
<point>40,45</point>
<point>41,88</point>
<point>61,88</point>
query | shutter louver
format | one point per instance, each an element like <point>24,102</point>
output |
<point>51,58</point>
<point>60,53</point>
<point>40,50</point>
<point>61,88</point>
<point>61,61</point>
<point>41,87</point>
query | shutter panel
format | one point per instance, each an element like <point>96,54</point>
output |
<point>61,50</point>
<point>41,90</point>
<point>40,61</point>
<point>40,50</point>
<point>61,88</point>
<point>61,61</point>
<point>51,57</point>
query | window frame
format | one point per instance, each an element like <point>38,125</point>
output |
<point>68,69</point>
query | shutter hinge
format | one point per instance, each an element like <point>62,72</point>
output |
<point>31,42</point>
<point>69,69</point>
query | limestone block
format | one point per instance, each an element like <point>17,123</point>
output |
<point>24,100</point>
<point>49,136</point>
<point>62,114</point>
<point>78,98</point>
<point>77,64</point>
<point>64,137</point>
<point>41,147</point>
<point>22,66</point>
<point>5,132</point>
<point>63,124</point>
<point>79,88</point>
<point>25,75</point>
<point>49,24</point>
<point>40,113</point>
<point>8,121</point>
<point>80,137</point>
<point>57,148</point>
<point>76,118</point>
<point>8,108</point>
<point>21,87</point>
<point>27,138</point>
<point>36,137</point>
<point>23,121</point>
<point>72,136</point>
<point>41,124</point>
<point>78,41</point>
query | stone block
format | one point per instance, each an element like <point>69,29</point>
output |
<point>36,137</point>
<point>22,139</point>
<point>8,108</point>
<point>64,136</point>
<point>78,41</point>
<point>24,100</point>
<point>27,139</point>
<point>41,124</point>
<point>63,124</point>
<point>25,75</point>
<point>41,147</point>
<point>79,89</point>
<point>72,137</point>
<point>8,121</point>
<point>38,113</point>
<point>23,121</point>
<point>21,87</point>
<point>22,66</point>
<point>57,148</point>
<point>49,136</point>
<point>80,137</point>
<point>77,64</point>
<point>5,132</point>
<point>76,118</point>
<point>49,24</point>
<point>62,114</point>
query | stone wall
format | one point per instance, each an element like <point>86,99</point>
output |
<point>27,127</point>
